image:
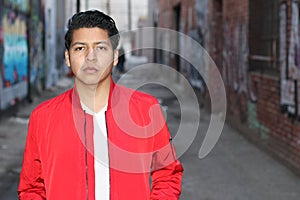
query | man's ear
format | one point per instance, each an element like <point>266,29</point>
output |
<point>67,58</point>
<point>116,57</point>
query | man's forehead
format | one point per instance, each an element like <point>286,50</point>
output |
<point>91,35</point>
<point>84,32</point>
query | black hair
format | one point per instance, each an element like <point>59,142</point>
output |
<point>91,19</point>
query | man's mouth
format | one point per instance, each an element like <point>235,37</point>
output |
<point>90,70</point>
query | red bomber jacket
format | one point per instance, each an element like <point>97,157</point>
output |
<point>58,161</point>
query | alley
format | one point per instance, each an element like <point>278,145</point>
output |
<point>243,54</point>
<point>234,169</point>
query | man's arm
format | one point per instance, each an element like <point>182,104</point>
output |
<point>166,169</point>
<point>31,185</point>
<point>166,175</point>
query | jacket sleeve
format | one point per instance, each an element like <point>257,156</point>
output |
<point>31,184</point>
<point>166,182</point>
<point>166,169</point>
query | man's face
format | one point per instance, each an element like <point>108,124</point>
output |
<point>91,56</point>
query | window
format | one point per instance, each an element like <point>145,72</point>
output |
<point>263,35</point>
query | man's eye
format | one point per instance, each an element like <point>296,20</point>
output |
<point>79,48</point>
<point>102,48</point>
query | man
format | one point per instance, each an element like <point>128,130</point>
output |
<point>98,140</point>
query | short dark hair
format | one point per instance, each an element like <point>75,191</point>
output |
<point>91,19</point>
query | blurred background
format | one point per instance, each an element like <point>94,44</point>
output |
<point>254,44</point>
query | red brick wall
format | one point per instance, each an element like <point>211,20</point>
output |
<point>253,98</point>
<point>261,114</point>
<point>283,134</point>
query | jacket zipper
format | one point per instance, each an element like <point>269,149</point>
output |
<point>86,160</point>
<point>108,155</point>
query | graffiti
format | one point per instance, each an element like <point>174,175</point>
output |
<point>287,87</point>
<point>289,61</point>
<point>36,46</point>
<point>253,122</point>
<point>14,58</point>
<point>282,40</point>
<point>293,57</point>
<point>235,64</point>
<point>22,5</point>
<point>15,54</point>
<point>231,54</point>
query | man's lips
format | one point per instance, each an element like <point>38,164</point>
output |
<point>90,69</point>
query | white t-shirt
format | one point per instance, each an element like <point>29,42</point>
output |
<point>101,158</point>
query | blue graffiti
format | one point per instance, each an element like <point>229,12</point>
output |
<point>15,59</point>
<point>20,4</point>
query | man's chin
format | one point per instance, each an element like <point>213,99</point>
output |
<point>92,82</point>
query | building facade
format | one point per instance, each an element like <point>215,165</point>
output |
<point>31,48</point>
<point>21,49</point>
<point>255,45</point>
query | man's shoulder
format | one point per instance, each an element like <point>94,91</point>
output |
<point>52,104</point>
<point>137,95</point>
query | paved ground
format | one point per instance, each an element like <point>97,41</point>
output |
<point>235,169</point>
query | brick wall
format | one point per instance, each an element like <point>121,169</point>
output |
<point>253,97</point>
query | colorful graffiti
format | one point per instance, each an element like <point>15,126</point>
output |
<point>15,54</point>
<point>14,57</point>
<point>254,123</point>
<point>22,5</point>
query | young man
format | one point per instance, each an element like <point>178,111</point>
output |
<point>98,140</point>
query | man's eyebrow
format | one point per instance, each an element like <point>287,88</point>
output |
<point>97,43</point>
<point>102,42</point>
<point>78,43</point>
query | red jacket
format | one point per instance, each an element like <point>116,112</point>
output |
<point>59,160</point>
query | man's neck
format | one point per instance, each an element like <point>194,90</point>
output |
<point>95,97</point>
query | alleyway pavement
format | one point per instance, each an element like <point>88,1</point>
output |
<point>234,170</point>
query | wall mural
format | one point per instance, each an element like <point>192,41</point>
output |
<point>15,49</point>
<point>21,5</point>
<point>14,54</point>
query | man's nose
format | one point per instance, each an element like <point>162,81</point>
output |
<point>91,56</point>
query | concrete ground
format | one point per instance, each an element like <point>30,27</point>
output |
<point>234,169</point>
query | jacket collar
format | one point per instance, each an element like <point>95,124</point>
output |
<point>113,97</point>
